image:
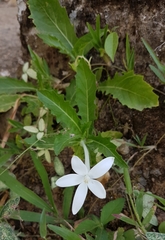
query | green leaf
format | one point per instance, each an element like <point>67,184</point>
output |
<point>162,200</point>
<point>111,44</point>
<point>125,219</point>
<point>42,225</point>
<point>30,216</point>
<point>160,66</point>
<point>4,158</point>
<point>42,69</point>
<point>129,234</point>
<point>7,102</point>
<point>112,207</point>
<point>53,24</point>
<point>130,90</point>
<point>107,148</point>
<point>44,177</point>
<point>11,85</point>
<point>85,226</point>
<point>127,181</point>
<point>85,91</point>
<point>102,234</point>
<point>68,194</point>
<point>22,191</point>
<point>150,218</point>
<point>162,227</point>
<point>83,45</point>
<point>158,73</point>
<point>59,167</point>
<point>71,93</point>
<point>62,140</point>
<point>139,203</point>
<point>64,113</point>
<point>96,34</point>
<point>130,55</point>
<point>64,233</point>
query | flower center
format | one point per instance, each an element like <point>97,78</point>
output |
<point>86,179</point>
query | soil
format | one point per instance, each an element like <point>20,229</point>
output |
<point>147,168</point>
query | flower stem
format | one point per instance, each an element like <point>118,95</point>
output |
<point>86,153</point>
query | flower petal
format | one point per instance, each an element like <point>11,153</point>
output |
<point>101,168</point>
<point>97,188</point>
<point>78,166</point>
<point>69,180</point>
<point>79,197</point>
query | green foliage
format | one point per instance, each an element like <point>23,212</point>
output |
<point>130,90</point>
<point>130,56</point>
<point>113,207</point>
<point>162,227</point>
<point>12,86</point>
<point>107,148</point>
<point>111,44</point>
<point>75,113</point>
<point>22,191</point>
<point>64,233</point>
<point>86,226</point>
<point>44,177</point>
<point>85,91</point>
<point>160,70</point>
<point>64,113</point>
<point>7,102</point>
<point>68,194</point>
<point>41,68</point>
<point>53,25</point>
<point>42,225</point>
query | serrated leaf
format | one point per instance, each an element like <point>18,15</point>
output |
<point>112,207</point>
<point>85,226</point>
<point>53,24</point>
<point>66,234</point>
<point>131,90</point>
<point>111,44</point>
<point>62,140</point>
<point>107,148</point>
<point>7,102</point>
<point>11,85</point>
<point>64,113</point>
<point>85,92</point>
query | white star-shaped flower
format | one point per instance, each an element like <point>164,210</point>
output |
<point>85,178</point>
